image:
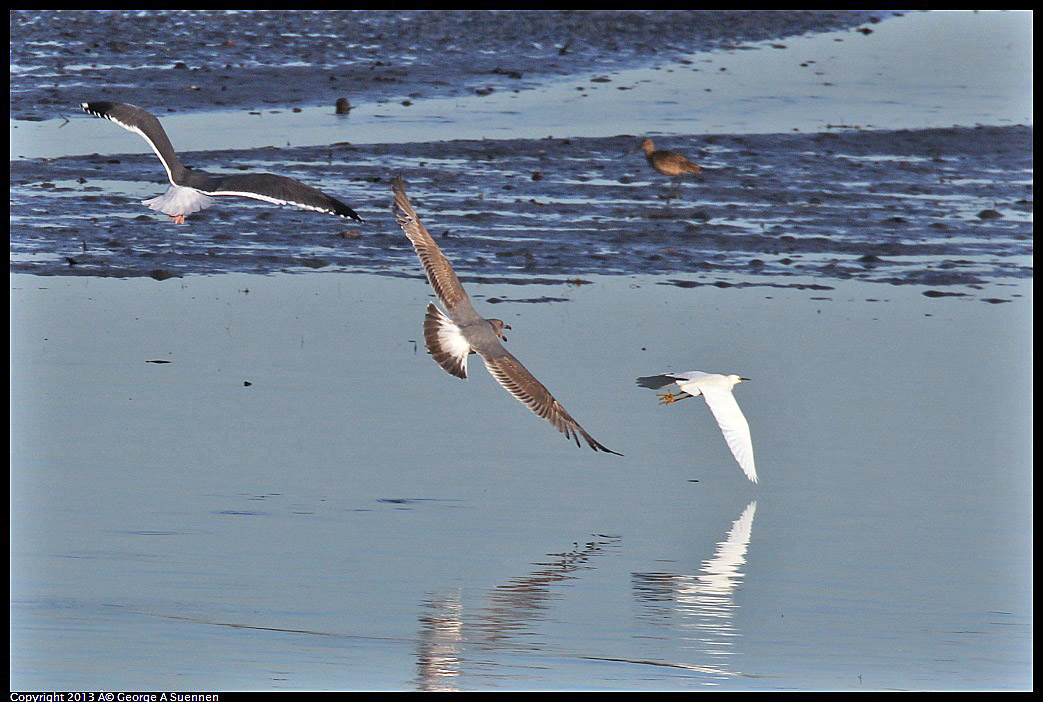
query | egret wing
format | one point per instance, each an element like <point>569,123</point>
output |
<point>734,426</point>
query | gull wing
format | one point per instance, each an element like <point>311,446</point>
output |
<point>278,190</point>
<point>517,380</point>
<point>440,273</point>
<point>656,382</point>
<point>144,124</point>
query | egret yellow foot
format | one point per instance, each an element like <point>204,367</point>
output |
<point>665,398</point>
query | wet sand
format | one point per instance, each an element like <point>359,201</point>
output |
<point>204,60</point>
<point>948,209</point>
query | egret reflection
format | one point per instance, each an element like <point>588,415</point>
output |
<point>702,604</point>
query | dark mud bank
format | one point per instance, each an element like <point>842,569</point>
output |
<point>941,207</point>
<point>205,60</point>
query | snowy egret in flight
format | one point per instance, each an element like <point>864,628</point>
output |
<point>716,389</point>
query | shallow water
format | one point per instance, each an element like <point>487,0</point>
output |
<point>902,73</point>
<point>356,518</point>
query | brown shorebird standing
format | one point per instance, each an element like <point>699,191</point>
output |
<point>451,336</point>
<point>669,163</point>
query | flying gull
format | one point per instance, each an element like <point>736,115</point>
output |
<point>192,190</point>
<point>716,389</point>
<point>451,336</point>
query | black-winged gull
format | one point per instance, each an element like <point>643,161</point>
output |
<point>193,190</point>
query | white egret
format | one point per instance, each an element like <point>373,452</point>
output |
<point>716,389</point>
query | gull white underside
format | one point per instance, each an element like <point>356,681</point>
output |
<point>450,346</point>
<point>179,200</point>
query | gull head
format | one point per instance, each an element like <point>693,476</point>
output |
<point>498,327</point>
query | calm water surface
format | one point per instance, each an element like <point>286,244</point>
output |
<point>356,518</point>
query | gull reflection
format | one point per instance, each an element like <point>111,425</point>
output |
<point>510,618</point>
<point>439,643</point>
<point>524,600</point>
<point>703,601</point>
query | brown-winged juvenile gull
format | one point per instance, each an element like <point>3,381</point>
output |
<point>451,336</point>
<point>716,389</point>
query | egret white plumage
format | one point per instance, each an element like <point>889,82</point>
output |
<point>716,389</point>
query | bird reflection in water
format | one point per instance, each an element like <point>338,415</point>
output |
<point>508,620</point>
<point>524,600</point>
<point>439,643</point>
<point>703,603</point>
